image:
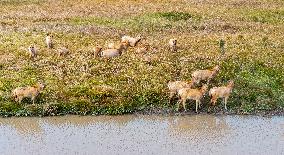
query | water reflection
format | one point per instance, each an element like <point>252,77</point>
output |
<point>129,134</point>
<point>88,120</point>
<point>199,123</point>
<point>23,125</point>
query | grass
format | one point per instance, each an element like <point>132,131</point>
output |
<point>267,16</point>
<point>244,38</point>
<point>148,22</point>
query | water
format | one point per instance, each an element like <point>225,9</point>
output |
<point>130,134</point>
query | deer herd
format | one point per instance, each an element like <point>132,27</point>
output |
<point>184,89</point>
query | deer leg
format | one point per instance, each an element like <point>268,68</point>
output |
<point>226,98</point>
<point>208,81</point>
<point>171,96</point>
<point>196,105</point>
<point>213,100</point>
<point>194,80</point>
<point>175,48</point>
<point>33,99</point>
<point>20,99</point>
<point>183,103</point>
<point>178,105</point>
<point>197,81</point>
<point>16,98</point>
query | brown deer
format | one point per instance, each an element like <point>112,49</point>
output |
<point>200,75</point>
<point>194,94</point>
<point>174,86</point>
<point>29,91</point>
<point>132,41</point>
<point>109,53</point>
<point>221,92</point>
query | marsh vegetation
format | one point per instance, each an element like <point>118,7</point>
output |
<point>245,38</point>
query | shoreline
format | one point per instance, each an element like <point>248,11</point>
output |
<point>151,111</point>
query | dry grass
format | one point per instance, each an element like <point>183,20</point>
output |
<point>253,34</point>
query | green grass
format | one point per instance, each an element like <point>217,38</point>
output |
<point>19,2</point>
<point>84,85</point>
<point>147,22</point>
<point>173,16</point>
<point>267,16</point>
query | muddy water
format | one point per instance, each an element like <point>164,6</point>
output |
<point>200,134</point>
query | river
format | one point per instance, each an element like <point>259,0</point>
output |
<point>142,134</point>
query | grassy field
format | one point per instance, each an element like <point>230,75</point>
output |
<point>253,32</point>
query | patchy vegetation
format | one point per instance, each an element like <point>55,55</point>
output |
<point>246,43</point>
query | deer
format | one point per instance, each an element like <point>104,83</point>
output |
<point>32,51</point>
<point>109,53</point>
<point>194,94</point>
<point>48,41</point>
<point>221,92</point>
<point>97,50</point>
<point>63,51</point>
<point>200,75</point>
<point>173,45</point>
<point>29,91</point>
<point>132,41</point>
<point>174,86</point>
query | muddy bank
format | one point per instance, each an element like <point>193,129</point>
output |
<point>81,108</point>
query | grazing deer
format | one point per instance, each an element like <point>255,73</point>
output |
<point>173,45</point>
<point>109,53</point>
<point>48,41</point>
<point>200,75</point>
<point>132,41</point>
<point>29,91</point>
<point>194,94</point>
<point>221,92</point>
<point>174,86</point>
